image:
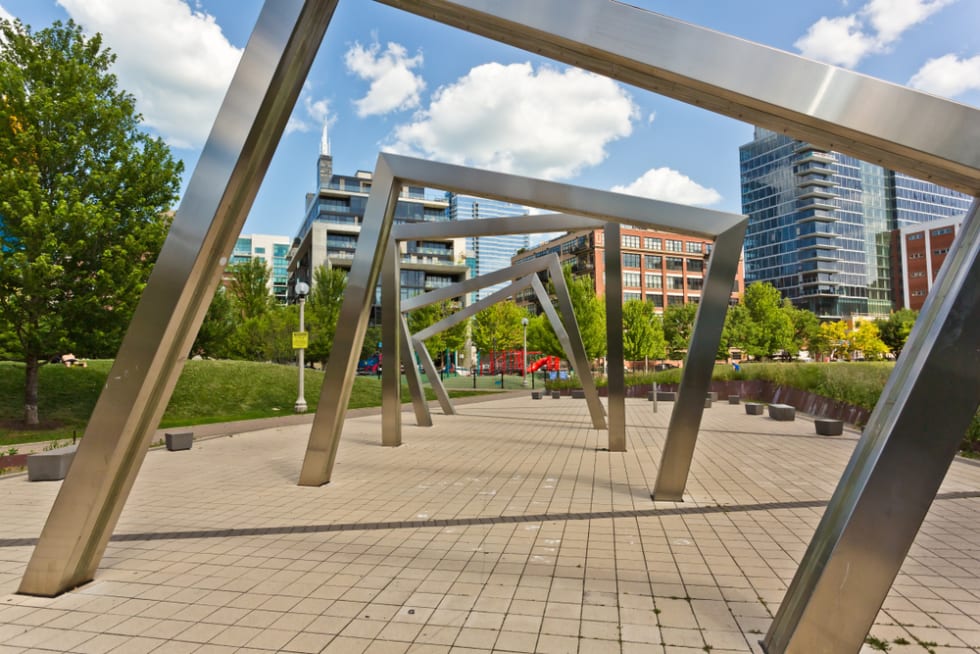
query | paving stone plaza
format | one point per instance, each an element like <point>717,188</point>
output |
<point>506,528</point>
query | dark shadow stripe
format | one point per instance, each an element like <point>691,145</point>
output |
<point>465,522</point>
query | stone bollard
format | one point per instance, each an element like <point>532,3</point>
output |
<point>179,440</point>
<point>556,395</point>
<point>734,399</point>
<point>829,426</point>
<point>754,408</point>
<point>535,395</point>
<point>707,403</point>
<point>782,412</point>
<point>51,465</point>
<point>578,394</point>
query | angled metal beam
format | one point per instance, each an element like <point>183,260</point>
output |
<point>574,347</point>
<point>530,224</point>
<point>828,106</point>
<point>372,243</point>
<point>896,470</point>
<point>682,433</point>
<point>219,195</point>
<point>433,375</point>
<point>615,375</point>
<point>423,417</point>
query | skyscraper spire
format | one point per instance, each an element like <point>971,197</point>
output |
<point>324,142</point>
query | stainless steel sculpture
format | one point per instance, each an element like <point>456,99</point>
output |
<point>393,171</point>
<point>218,197</point>
<point>889,483</point>
<point>570,338</point>
<point>615,375</point>
<point>840,110</point>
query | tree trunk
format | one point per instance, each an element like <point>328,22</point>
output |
<point>30,391</point>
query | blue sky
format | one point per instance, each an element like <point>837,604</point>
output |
<point>385,79</point>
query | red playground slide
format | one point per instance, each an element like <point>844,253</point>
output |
<point>549,363</point>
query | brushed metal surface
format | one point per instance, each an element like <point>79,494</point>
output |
<point>391,376</point>
<point>615,375</point>
<point>550,263</point>
<point>896,470</point>
<point>321,450</point>
<point>685,421</point>
<point>218,197</point>
<point>505,225</point>
<point>831,107</point>
<point>573,346</point>
<point>423,417</point>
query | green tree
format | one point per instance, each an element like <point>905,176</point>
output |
<point>865,339</point>
<point>322,311</point>
<point>249,286</point>
<point>498,327</point>
<point>214,337</point>
<point>678,327</point>
<point>738,328</point>
<point>896,328</point>
<point>806,326</point>
<point>833,339</point>
<point>447,341</point>
<point>643,332</point>
<point>771,328</point>
<point>83,197</point>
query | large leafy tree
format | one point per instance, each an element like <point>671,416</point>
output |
<point>678,327</point>
<point>249,287</point>
<point>214,336</point>
<point>446,341</point>
<point>771,327</point>
<point>643,332</point>
<point>806,326</point>
<point>323,309</point>
<point>498,327</point>
<point>895,329</point>
<point>83,196</point>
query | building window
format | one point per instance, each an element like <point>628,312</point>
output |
<point>674,300</point>
<point>631,241</point>
<point>695,247</point>
<point>631,260</point>
<point>694,299</point>
<point>674,246</point>
<point>941,251</point>
<point>654,280</point>
<point>919,273</point>
<point>631,279</point>
<point>695,265</point>
<point>914,237</point>
<point>653,261</point>
<point>675,283</point>
<point>918,293</point>
<point>627,297</point>
<point>675,263</point>
<point>917,255</point>
<point>652,243</point>
<point>941,231</point>
<point>656,299</point>
<point>695,283</point>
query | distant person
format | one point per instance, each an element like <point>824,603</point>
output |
<point>737,368</point>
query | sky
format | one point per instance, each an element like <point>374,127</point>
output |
<point>388,80</point>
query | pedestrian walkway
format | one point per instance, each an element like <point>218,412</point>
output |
<point>505,528</point>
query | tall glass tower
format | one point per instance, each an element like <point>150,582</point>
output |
<point>819,223</point>
<point>487,253</point>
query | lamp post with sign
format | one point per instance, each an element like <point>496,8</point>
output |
<point>300,341</point>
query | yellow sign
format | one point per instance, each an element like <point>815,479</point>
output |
<point>301,340</point>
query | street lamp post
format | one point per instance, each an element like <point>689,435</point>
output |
<point>524,368</point>
<point>301,289</point>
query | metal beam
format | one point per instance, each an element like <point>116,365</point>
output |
<point>423,417</point>
<point>530,224</point>
<point>685,421</point>
<point>896,470</point>
<point>831,107</point>
<point>615,375</point>
<point>391,377</point>
<point>218,198</point>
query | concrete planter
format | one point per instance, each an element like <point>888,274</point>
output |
<point>180,440</point>
<point>754,408</point>
<point>783,412</point>
<point>51,465</point>
<point>829,427</point>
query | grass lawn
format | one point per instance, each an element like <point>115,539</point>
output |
<point>207,392</point>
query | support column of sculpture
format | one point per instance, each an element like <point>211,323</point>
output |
<point>615,375</point>
<point>391,378</point>
<point>875,513</point>
<point>685,421</point>
<point>423,417</point>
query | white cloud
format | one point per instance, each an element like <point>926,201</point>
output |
<point>837,41</point>
<point>845,40</point>
<point>892,17</point>
<point>546,123</point>
<point>317,113</point>
<point>948,76</point>
<point>394,86</point>
<point>671,186</point>
<point>174,60</point>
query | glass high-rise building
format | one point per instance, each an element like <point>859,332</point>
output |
<point>485,254</point>
<point>820,223</point>
<point>273,251</point>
